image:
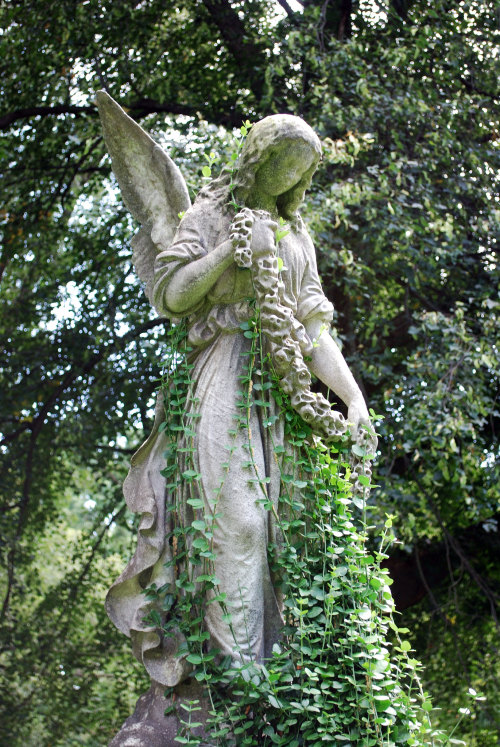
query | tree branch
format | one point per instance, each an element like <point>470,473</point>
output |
<point>141,107</point>
<point>290,13</point>
<point>41,111</point>
<point>247,53</point>
<point>14,434</point>
<point>95,547</point>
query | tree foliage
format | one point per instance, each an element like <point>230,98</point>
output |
<point>405,216</point>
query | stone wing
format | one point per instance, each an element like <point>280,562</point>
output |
<point>152,186</point>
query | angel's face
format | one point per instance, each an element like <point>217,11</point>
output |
<point>285,168</point>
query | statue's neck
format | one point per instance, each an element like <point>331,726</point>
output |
<point>260,201</point>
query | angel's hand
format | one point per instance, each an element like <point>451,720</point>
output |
<point>358,413</point>
<point>362,427</point>
<point>263,236</point>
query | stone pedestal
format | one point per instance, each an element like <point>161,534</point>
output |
<point>149,727</point>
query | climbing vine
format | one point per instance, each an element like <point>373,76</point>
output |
<point>335,677</point>
<point>343,673</point>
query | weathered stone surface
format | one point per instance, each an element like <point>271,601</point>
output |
<point>149,727</point>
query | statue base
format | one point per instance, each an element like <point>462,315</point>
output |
<point>149,727</point>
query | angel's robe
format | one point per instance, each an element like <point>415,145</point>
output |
<point>243,528</point>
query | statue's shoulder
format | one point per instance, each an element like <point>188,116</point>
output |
<point>205,221</point>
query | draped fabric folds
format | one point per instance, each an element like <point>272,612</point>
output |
<point>243,528</point>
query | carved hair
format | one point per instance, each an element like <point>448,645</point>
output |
<point>265,139</point>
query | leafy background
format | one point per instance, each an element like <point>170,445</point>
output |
<point>405,216</point>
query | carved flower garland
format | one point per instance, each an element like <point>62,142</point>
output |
<point>287,343</point>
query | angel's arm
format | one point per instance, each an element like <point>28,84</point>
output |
<point>181,286</point>
<point>329,365</point>
<point>190,283</point>
<point>327,362</point>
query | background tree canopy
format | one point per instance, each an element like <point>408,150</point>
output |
<point>405,214</point>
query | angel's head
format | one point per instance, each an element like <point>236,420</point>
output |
<point>278,159</point>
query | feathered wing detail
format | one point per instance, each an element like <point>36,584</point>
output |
<point>143,256</point>
<point>152,186</point>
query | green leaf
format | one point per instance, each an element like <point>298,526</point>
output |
<point>280,234</point>
<point>200,543</point>
<point>199,525</point>
<point>196,502</point>
<point>274,701</point>
<point>358,450</point>
<point>191,474</point>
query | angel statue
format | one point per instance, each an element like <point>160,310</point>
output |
<point>210,264</point>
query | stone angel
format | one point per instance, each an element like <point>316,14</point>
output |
<point>211,267</point>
